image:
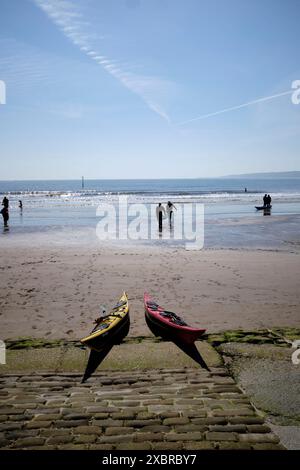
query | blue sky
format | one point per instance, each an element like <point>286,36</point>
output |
<point>111,88</point>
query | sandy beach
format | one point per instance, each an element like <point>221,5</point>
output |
<point>56,292</point>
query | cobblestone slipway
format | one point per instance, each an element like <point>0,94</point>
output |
<point>153,410</point>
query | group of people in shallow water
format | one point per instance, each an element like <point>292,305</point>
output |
<point>5,210</point>
<point>162,213</point>
<point>267,200</point>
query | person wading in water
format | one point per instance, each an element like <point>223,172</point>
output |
<point>4,211</point>
<point>160,213</point>
<point>170,210</point>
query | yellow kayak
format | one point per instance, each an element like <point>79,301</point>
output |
<point>110,329</point>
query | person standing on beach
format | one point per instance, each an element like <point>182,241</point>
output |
<point>4,211</point>
<point>170,210</point>
<point>21,205</point>
<point>265,199</point>
<point>269,200</point>
<point>160,213</point>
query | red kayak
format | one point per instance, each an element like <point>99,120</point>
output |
<point>171,327</point>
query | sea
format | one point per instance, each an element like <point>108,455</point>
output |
<point>68,212</point>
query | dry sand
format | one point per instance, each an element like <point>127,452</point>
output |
<point>56,292</point>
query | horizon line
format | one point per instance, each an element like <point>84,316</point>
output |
<point>79,179</point>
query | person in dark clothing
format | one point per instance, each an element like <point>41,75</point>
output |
<point>4,211</point>
<point>5,215</point>
<point>20,205</point>
<point>265,199</point>
<point>5,202</point>
<point>160,213</point>
<point>269,200</point>
<point>170,210</point>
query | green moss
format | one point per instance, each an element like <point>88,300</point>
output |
<point>263,336</point>
<point>215,340</point>
<point>26,343</point>
<point>256,339</point>
<point>277,336</point>
<point>231,336</point>
<point>289,333</point>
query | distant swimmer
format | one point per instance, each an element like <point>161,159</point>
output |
<point>160,213</point>
<point>246,190</point>
<point>170,210</point>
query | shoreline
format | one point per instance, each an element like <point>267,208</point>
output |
<point>229,231</point>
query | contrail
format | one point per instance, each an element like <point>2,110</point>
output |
<point>67,16</point>
<point>244,105</point>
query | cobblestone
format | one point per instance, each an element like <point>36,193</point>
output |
<point>88,430</point>
<point>60,439</point>
<point>258,438</point>
<point>220,436</point>
<point>135,446</point>
<point>191,436</point>
<point>71,423</point>
<point>147,436</point>
<point>174,421</point>
<point>115,430</point>
<point>85,439</point>
<point>228,428</point>
<point>38,424</point>
<point>29,441</point>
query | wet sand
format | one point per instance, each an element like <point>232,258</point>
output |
<point>57,291</point>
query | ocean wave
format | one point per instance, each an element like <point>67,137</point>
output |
<point>44,199</point>
<point>94,193</point>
